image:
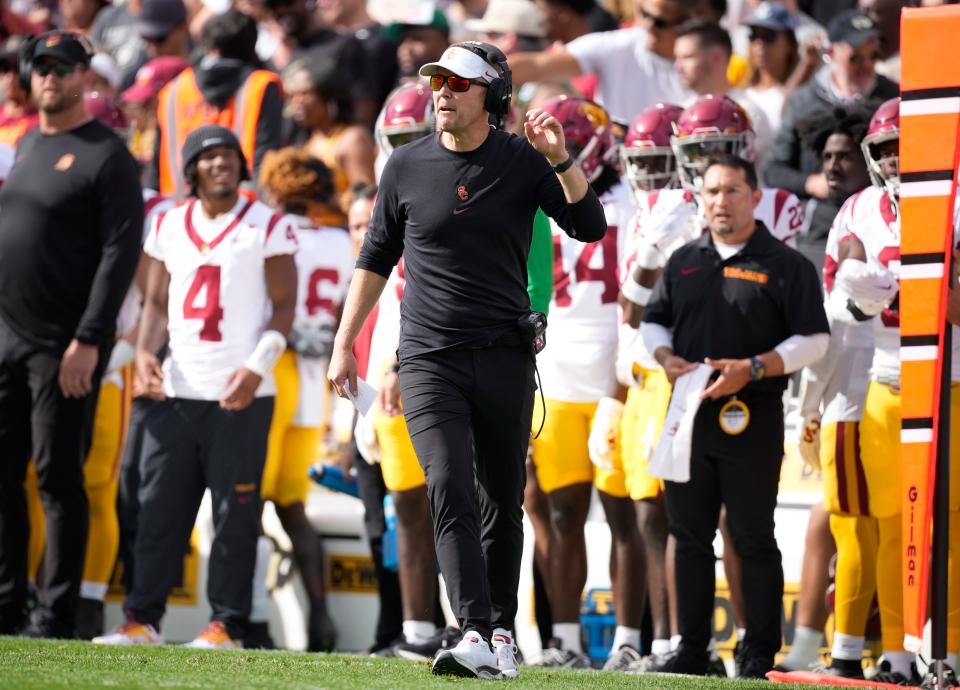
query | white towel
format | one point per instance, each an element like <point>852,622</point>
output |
<point>671,459</point>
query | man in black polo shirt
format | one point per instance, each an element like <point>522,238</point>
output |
<point>751,307</point>
<point>459,206</point>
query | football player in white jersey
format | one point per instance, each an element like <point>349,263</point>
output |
<point>584,403</point>
<point>662,221</point>
<point>222,282</point>
<point>864,490</point>
<point>832,390</point>
<point>295,183</point>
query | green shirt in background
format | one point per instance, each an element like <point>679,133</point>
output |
<point>540,264</point>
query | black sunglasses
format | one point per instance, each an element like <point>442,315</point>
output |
<point>657,22</point>
<point>58,68</point>
<point>761,34</point>
<point>7,66</point>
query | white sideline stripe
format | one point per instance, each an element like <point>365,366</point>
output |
<point>931,188</point>
<point>931,106</point>
<point>918,353</point>
<point>916,435</point>
<point>914,271</point>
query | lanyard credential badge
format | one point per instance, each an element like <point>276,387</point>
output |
<point>734,417</point>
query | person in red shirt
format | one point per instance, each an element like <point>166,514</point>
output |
<point>17,115</point>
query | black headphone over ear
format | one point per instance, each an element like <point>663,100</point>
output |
<point>29,47</point>
<point>500,90</point>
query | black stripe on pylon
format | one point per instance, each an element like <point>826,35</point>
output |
<point>919,340</point>
<point>917,422</point>
<point>924,94</point>
<point>926,176</point>
<point>925,258</point>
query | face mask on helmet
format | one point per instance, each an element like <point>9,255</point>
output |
<point>407,116</point>
<point>694,151</point>
<point>646,159</point>
<point>881,148</point>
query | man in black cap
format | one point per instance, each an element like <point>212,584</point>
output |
<point>217,264</point>
<point>69,244</point>
<point>849,78</point>
<point>141,30</point>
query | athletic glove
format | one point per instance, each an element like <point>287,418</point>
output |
<point>809,443</point>
<point>871,289</point>
<point>602,443</point>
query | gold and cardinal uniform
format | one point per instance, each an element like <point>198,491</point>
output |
<point>577,365</point>
<point>666,220</point>
<point>101,468</point>
<point>324,269</point>
<point>398,461</point>
<point>862,475</point>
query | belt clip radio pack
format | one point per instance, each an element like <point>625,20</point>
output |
<point>533,329</point>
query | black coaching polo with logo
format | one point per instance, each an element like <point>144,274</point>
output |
<point>463,222</point>
<point>739,307</point>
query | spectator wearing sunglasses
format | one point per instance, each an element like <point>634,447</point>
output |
<point>849,77</point>
<point>17,114</point>
<point>634,66</point>
<point>773,54</point>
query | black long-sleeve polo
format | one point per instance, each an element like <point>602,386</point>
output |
<point>739,307</point>
<point>463,223</point>
<point>71,224</point>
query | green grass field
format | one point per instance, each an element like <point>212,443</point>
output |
<point>80,666</point>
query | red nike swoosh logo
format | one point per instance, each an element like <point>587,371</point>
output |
<point>688,271</point>
<point>458,211</point>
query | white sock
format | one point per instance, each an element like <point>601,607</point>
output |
<point>569,636</point>
<point>741,633</point>
<point>847,647</point>
<point>804,650</point>
<point>712,648</point>
<point>675,641</point>
<point>660,647</point>
<point>260,601</point>
<point>900,662</point>
<point>93,590</point>
<point>625,636</point>
<point>503,632</point>
<point>418,632</point>
<point>952,660</point>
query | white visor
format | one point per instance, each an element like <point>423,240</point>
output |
<point>462,63</point>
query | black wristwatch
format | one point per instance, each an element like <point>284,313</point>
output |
<point>757,370</point>
<point>560,168</point>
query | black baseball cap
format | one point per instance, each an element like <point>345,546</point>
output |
<point>210,137</point>
<point>853,27</point>
<point>158,18</point>
<point>65,46</point>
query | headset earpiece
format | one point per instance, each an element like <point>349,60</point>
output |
<point>25,62</point>
<point>500,90</point>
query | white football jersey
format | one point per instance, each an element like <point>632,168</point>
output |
<point>838,381</point>
<point>577,364</point>
<point>876,224</point>
<point>217,302</point>
<point>324,269</point>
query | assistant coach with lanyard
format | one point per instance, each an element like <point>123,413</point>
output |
<point>459,206</point>
<point>750,307</point>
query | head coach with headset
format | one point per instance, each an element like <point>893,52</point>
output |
<point>71,218</point>
<point>459,207</point>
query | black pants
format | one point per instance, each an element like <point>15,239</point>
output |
<point>372,492</point>
<point>742,473</point>
<point>37,421</point>
<point>189,446</point>
<point>469,414</point>
<point>128,505</point>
